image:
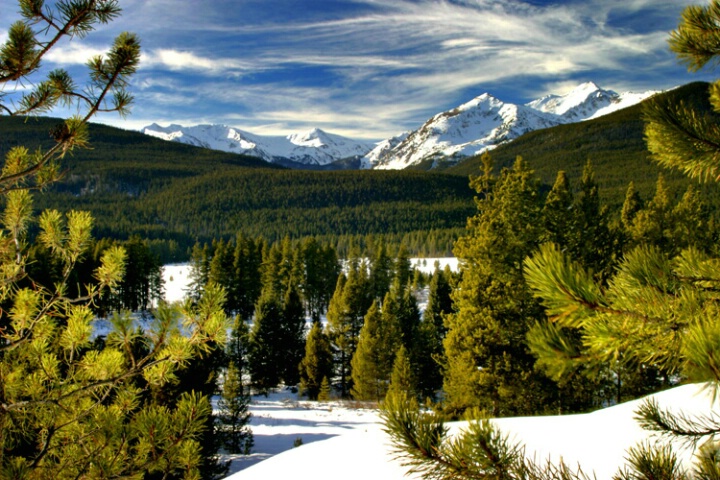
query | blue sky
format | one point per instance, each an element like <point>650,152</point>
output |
<point>372,69</point>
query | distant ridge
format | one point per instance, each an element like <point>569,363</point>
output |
<point>480,124</point>
<point>312,147</point>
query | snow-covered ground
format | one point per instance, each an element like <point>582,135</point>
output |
<point>340,440</point>
<point>349,443</point>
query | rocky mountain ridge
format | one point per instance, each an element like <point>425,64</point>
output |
<point>471,128</point>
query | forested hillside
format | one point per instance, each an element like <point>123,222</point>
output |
<point>175,195</point>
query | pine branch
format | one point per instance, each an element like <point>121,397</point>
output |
<point>689,429</point>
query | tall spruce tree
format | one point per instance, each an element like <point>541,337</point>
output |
<point>266,354</point>
<point>321,273</point>
<point>403,382</point>
<point>381,271</point>
<point>368,382</point>
<point>373,359</point>
<point>200,258</point>
<point>292,339</point>
<point>652,224</point>
<point>234,403</point>
<point>70,407</point>
<point>559,219</point>
<point>488,363</point>
<point>431,333</point>
<point>316,366</point>
<point>246,287</point>
<point>350,303</point>
<point>693,225</point>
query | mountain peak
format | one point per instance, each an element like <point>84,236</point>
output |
<point>483,99</point>
<point>576,104</point>
<point>486,121</point>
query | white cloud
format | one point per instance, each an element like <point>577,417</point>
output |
<point>186,60</point>
<point>381,68</point>
<point>74,53</point>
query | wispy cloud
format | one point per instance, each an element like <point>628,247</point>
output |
<point>372,68</point>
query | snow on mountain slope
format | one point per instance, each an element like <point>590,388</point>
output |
<point>313,147</point>
<point>476,126</point>
<point>472,127</point>
<point>486,122</point>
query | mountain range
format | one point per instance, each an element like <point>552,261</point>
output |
<point>471,128</point>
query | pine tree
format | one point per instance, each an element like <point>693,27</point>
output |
<point>692,223</point>
<point>265,355</point>
<point>246,288</point>
<point>324,394</point>
<point>651,225</point>
<point>375,354</point>
<point>350,302</point>
<point>403,383</point>
<point>199,270</point>
<point>368,383</point>
<point>316,365</point>
<point>488,362</point>
<point>431,333</point>
<point>403,267</point>
<point>558,216</point>
<point>321,273</point>
<point>70,407</point>
<point>292,339</point>
<point>593,243</point>
<point>381,271</point>
<point>234,402</point>
<point>631,206</point>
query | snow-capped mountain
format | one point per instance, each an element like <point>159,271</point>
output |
<point>478,125</point>
<point>313,147</point>
<point>486,122</point>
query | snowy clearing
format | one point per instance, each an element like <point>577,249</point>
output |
<point>342,442</point>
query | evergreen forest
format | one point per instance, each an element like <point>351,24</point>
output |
<point>588,276</point>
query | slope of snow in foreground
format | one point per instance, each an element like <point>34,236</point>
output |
<point>344,443</point>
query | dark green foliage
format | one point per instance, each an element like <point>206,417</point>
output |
<point>233,265</point>
<point>292,336</point>
<point>266,353</point>
<point>322,268</point>
<point>316,365</point>
<point>350,302</point>
<point>381,270</point>
<point>488,363</point>
<point>140,289</point>
<point>235,398</point>
<point>142,285</point>
<point>429,339</point>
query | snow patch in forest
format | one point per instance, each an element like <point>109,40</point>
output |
<point>177,276</point>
